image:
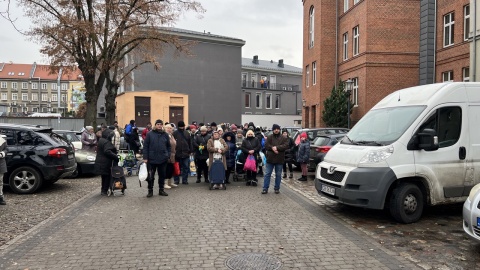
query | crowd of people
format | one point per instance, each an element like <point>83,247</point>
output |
<point>165,144</point>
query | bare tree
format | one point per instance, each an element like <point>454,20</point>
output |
<point>95,35</point>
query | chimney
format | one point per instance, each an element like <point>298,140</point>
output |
<point>280,63</point>
<point>255,59</point>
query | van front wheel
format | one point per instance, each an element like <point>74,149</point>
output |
<point>407,203</point>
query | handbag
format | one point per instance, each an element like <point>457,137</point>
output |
<point>176,168</point>
<point>250,164</point>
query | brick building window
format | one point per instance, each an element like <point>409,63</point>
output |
<point>258,100</point>
<point>268,101</point>
<point>314,73</point>
<point>345,5</point>
<point>356,40</point>
<point>466,22</point>
<point>247,100</point>
<point>311,27</point>
<point>307,76</point>
<point>448,29</point>
<point>447,76</point>
<point>466,74</point>
<point>345,46</point>
<point>355,92</point>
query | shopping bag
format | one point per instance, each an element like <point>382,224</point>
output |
<point>143,172</point>
<point>250,164</point>
<point>176,169</point>
<point>193,168</point>
<point>264,159</point>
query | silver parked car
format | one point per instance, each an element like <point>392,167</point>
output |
<point>471,213</point>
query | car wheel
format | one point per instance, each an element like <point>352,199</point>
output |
<point>407,203</point>
<point>25,180</point>
<point>76,173</point>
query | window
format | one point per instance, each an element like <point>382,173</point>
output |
<point>3,85</point>
<point>247,100</point>
<point>44,86</point>
<point>355,2</point>
<point>64,86</point>
<point>54,86</point>
<point>345,5</point>
<point>356,38</point>
<point>4,96</point>
<point>258,100</point>
<point>35,109</point>
<point>311,27</point>
<point>14,96</point>
<point>24,96</point>
<point>277,101</point>
<point>64,98</point>
<point>447,76</point>
<point>254,79</point>
<point>345,46</point>
<point>44,110</point>
<point>314,73</point>
<point>44,97</point>
<point>447,122</point>
<point>24,85</point>
<point>54,97</point>
<point>466,74</point>
<point>14,85</point>
<point>244,79</point>
<point>466,21</point>
<point>268,100</point>
<point>34,85</point>
<point>448,29</point>
<point>355,92</point>
<point>34,97</point>
<point>307,76</point>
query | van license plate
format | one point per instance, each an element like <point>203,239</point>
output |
<point>328,190</point>
<point>478,221</point>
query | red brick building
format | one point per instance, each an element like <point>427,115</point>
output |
<point>382,46</point>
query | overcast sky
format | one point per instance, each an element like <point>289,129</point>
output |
<point>272,29</point>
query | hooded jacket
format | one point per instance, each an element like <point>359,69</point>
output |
<point>232,149</point>
<point>106,154</point>
<point>156,147</point>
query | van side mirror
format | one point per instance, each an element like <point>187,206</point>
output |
<point>428,140</point>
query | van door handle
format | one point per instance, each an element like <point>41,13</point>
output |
<point>462,152</point>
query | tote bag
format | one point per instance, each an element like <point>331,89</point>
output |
<point>250,164</point>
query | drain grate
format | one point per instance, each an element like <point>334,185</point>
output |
<point>254,261</point>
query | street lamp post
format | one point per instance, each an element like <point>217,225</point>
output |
<point>348,89</point>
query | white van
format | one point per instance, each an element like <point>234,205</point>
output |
<point>417,146</point>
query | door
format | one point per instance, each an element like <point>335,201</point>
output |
<point>142,111</point>
<point>176,115</point>
<point>273,82</point>
<point>446,168</point>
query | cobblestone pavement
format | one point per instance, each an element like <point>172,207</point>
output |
<point>195,228</point>
<point>437,241</point>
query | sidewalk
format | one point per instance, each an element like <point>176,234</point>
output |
<point>195,228</point>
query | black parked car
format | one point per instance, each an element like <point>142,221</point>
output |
<point>36,156</point>
<point>320,146</point>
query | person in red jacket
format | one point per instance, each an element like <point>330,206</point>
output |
<point>146,130</point>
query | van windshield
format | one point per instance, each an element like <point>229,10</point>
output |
<point>383,126</point>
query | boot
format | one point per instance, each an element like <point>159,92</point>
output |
<point>290,176</point>
<point>171,184</point>
<point>150,193</point>
<point>2,201</point>
<point>162,193</point>
<point>166,186</point>
<point>303,178</point>
<point>284,175</point>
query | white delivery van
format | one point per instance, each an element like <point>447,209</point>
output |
<point>418,146</point>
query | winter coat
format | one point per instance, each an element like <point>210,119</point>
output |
<point>303,154</point>
<point>134,140</point>
<point>156,147</point>
<point>211,149</point>
<point>144,133</point>
<point>3,154</point>
<point>183,148</point>
<point>238,141</point>
<point>116,139</point>
<point>232,149</point>
<point>289,154</point>
<point>250,143</point>
<point>173,145</point>
<point>282,145</point>
<point>106,157</point>
<point>201,141</point>
<point>128,131</point>
<point>89,141</point>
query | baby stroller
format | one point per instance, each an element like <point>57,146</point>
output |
<point>129,162</point>
<point>117,181</point>
<point>239,173</point>
<point>217,174</point>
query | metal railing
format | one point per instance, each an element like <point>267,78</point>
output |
<point>268,85</point>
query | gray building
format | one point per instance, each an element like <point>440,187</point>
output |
<point>209,76</point>
<point>271,93</point>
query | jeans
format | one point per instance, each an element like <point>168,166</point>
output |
<point>184,169</point>
<point>268,174</point>
<point>152,168</point>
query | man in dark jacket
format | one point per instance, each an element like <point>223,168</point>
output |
<point>156,152</point>
<point>182,154</point>
<point>275,148</point>
<point>105,159</point>
<point>201,153</point>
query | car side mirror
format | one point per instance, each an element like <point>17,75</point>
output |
<point>428,140</point>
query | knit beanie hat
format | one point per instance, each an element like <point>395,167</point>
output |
<point>203,128</point>
<point>275,126</point>
<point>213,124</point>
<point>193,127</point>
<point>159,122</point>
<point>303,135</point>
<point>181,124</point>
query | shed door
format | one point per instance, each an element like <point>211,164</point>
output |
<point>142,111</point>
<point>176,114</point>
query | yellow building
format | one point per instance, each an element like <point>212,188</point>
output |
<point>150,105</point>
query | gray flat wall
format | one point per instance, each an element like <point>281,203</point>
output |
<point>64,124</point>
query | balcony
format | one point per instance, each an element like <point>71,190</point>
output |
<point>271,86</point>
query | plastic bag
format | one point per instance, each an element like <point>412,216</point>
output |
<point>176,169</point>
<point>143,172</point>
<point>250,164</point>
<point>264,159</point>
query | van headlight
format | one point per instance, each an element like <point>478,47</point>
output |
<point>378,155</point>
<point>473,192</point>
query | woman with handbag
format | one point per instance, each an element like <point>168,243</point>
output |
<point>169,173</point>
<point>251,146</point>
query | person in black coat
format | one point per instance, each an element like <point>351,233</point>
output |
<point>105,159</point>
<point>201,153</point>
<point>182,152</point>
<point>134,141</point>
<point>251,145</point>
<point>229,138</point>
<point>289,158</point>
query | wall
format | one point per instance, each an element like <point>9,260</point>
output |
<point>65,123</point>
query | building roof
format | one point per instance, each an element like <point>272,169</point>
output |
<point>247,63</point>
<point>15,71</point>
<point>205,36</point>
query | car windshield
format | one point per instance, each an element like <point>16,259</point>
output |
<point>383,126</point>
